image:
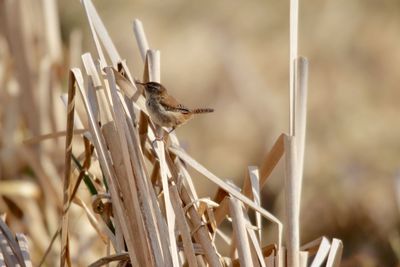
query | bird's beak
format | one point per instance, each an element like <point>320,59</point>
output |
<point>139,82</point>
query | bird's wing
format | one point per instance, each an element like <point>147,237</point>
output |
<point>171,104</point>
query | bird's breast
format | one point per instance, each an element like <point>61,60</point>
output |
<point>163,117</point>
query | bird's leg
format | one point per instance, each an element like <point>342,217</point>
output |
<point>157,139</point>
<point>158,134</point>
<point>162,138</point>
<point>170,131</point>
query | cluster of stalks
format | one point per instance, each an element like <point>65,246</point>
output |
<point>136,191</point>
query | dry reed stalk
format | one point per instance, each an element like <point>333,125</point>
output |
<point>150,228</point>
<point>225,186</point>
<point>9,247</point>
<point>199,230</point>
<point>38,139</point>
<point>97,24</point>
<point>252,181</point>
<point>335,253</point>
<point>256,252</point>
<point>109,173</point>
<point>75,48</point>
<point>65,253</point>
<point>291,206</point>
<point>183,227</point>
<point>293,47</point>
<point>97,94</point>
<point>120,257</point>
<point>301,72</point>
<point>270,161</point>
<point>239,226</point>
<point>154,74</point>
<point>141,38</point>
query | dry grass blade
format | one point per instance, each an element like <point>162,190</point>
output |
<point>98,25</point>
<point>222,211</point>
<point>159,148</point>
<point>44,137</point>
<point>200,231</point>
<point>23,244</point>
<point>197,166</point>
<point>97,94</point>
<point>10,248</point>
<point>94,35</point>
<point>65,257</point>
<point>91,219</point>
<point>20,188</point>
<point>183,227</point>
<point>121,257</point>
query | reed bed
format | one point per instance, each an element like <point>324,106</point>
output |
<point>136,193</point>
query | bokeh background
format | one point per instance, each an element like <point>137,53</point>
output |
<point>233,56</point>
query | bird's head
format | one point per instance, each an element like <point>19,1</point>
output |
<point>152,88</point>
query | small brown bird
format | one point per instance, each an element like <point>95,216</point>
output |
<point>165,110</point>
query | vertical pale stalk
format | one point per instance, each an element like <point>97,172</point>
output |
<point>154,65</point>
<point>301,117</point>
<point>94,36</point>
<point>294,16</point>
<point>52,25</point>
<point>239,228</point>
<point>154,71</point>
<point>140,38</point>
<point>291,199</point>
<point>183,227</point>
<point>98,26</point>
<point>75,48</point>
<point>169,210</point>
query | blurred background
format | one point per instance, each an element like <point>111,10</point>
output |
<point>233,57</point>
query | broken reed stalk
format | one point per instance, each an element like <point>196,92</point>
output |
<point>65,257</point>
<point>141,38</point>
<point>239,227</point>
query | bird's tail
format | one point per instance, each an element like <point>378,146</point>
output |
<point>202,110</point>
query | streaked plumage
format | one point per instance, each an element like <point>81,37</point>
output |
<point>165,110</point>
